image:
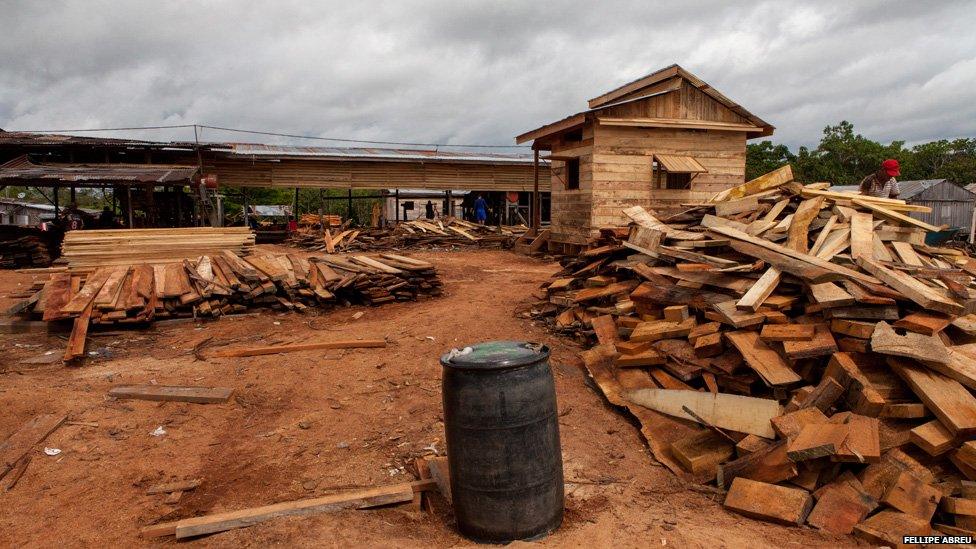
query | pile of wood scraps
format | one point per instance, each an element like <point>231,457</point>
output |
<point>419,233</point>
<point>85,249</point>
<point>24,251</point>
<point>803,349</point>
<point>225,283</point>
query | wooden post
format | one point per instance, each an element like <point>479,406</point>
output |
<point>128,195</point>
<point>349,205</point>
<point>536,205</point>
<point>396,193</point>
<point>321,210</point>
<point>244,194</point>
<point>56,206</point>
<point>73,197</point>
<point>294,208</point>
<point>972,225</point>
<point>450,204</point>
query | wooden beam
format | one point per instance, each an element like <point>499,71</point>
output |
<point>175,393</point>
<point>733,412</point>
<point>896,216</point>
<point>765,182</point>
<point>275,349</point>
<point>928,298</point>
<point>945,397</point>
<point>762,359</point>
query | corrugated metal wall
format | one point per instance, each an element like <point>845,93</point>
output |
<point>951,205</point>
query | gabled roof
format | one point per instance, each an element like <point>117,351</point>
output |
<point>618,95</point>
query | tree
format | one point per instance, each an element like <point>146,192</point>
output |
<point>764,157</point>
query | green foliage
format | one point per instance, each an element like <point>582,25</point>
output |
<point>332,201</point>
<point>844,158</point>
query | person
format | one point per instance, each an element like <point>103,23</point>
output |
<point>430,210</point>
<point>107,218</point>
<point>882,183</point>
<point>74,219</point>
<point>480,210</point>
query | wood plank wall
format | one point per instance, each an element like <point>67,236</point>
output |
<point>623,174</point>
<point>571,209</point>
<point>340,174</point>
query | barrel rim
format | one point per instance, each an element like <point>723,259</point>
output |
<point>541,351</point>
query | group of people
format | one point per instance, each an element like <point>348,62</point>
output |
<point>480,210</point>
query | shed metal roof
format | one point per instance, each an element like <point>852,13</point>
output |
<point>22,169</point>
<point>369,153</point>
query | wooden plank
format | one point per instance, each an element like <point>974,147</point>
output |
<point>863,442</point>
<point>911,288</point>
<point>640,216</point>
<point>822,344</point>
<point>933,438</point>
<point>763,360</point>
<point>589,294</point>
<point>829,294</point>
<point>275,349</point>
<point>888,528</point>
<point>731,207</point>
<point>896,216</point>
<point>886,341</point>
<point>862,235</point>
<point>840,508</point>
<point>768,502</point>
<point>910,495</point>
<point>945,397</point>
<point>817,441</point>
<point>26,437</point>
<point>75,347</point>
<point>765,182</point>
<point>84,297</point>
<point>788,332</point>
<point>605,329</point>
<point>789,425</point>
<point>793,254</point>
<point>176,393</point>
<point>359,499</point>
<point>731,315</point>
<point>760,291</point>
<point>907,254</point>
<point>853,328</point>
<point>798,234</point>
<point>733,412</point>
<point>661,329</point>
<point>701,452</point>
<point>924,322</point>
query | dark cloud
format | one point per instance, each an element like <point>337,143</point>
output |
<point>479,72</point>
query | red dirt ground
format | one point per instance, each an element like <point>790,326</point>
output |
<point>306,424</point>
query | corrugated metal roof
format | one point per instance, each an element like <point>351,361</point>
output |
<point>911,188</point>
<point>43,139</point>
<point>368,153</point>
<point>23,169</point>
<point>38,206</point>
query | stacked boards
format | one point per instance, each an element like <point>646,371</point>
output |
<point>82,249</point>
<point>225,283</point>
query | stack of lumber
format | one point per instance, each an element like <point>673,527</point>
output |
<point>134,246</point>
<point>224,283</point>
<point>24,251</point>
<point>313,220</point>
<point>801,348</point>
<point>419,233</point>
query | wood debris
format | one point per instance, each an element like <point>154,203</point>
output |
<point>210,286</point>
<point>826,312</point>
<point>445,232</point>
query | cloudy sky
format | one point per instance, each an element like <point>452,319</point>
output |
<point>478,72</point>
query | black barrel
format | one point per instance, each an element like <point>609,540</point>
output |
<point>503,441</point>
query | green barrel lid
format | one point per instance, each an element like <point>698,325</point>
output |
<point>495,355</point>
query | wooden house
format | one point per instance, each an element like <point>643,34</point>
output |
<point>661,141</point>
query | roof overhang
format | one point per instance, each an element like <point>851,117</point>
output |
<point>22,170</point>
<point>564,125</point>
<point>679,164</point>
<point>680,123</point>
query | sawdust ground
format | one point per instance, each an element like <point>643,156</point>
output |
<point>304,424</point>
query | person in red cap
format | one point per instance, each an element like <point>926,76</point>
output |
<point>882,183</point>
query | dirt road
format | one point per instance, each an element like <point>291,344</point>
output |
<point>305,424</point>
